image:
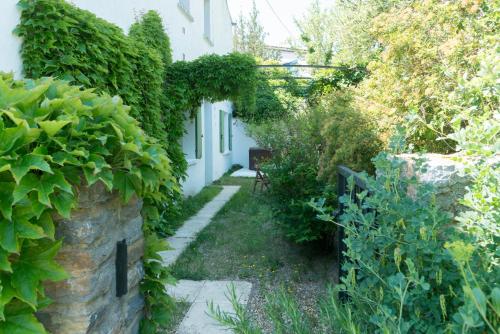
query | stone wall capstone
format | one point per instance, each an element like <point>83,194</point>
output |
<point>444,172</point>
<point>87,302</point>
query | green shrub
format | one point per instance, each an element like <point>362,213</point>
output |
<point>350,138</point>
<point>308,144</point>
<point>56,137</point>
<point>428,49</point>
<point>328,81</point>
<point>401,256</point>
<point>295,143</point>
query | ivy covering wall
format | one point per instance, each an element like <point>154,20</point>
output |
<point>63,41</point>
<point>54,138</point>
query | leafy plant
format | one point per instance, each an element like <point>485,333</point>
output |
<point>212,78</point>
<point>296,145</point>
<point>428,48</point>
<point>167,122</point>
<point>91,52</point>
<point>409,269</point>
<point>350,138</point>
<point>56,137</point>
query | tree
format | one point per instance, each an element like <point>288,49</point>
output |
<point>316,34</point>
<point>340,34</point>
<point>249,36</point>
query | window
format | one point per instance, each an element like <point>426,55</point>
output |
<point>184,4</point>
<point>207,30</point>
<point>198,135</point>
<point>185,9</point>
<point>230,130</point>
<point>222,129</point>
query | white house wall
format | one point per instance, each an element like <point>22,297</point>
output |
<point>10,60</point>
<point>186,34</point>
<point>242,142</point>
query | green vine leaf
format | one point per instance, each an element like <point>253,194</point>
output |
<point>123,182</point>
<point>6,190</point>
<point>11,232</point>
<point>52,127</point>
<point>22,324</point>
<point>4,261</point>
<point>35,264</point>
<point>44,186</point>
<point>29,162</point>
<point>63,203</point>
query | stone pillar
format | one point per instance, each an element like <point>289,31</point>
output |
<point>444,172</point>
<point>87,302</point>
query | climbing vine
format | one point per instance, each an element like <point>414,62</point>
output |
<point>54,138</point>
<point>213,78</point>
<point>63,41</point>
<point>168,122</point>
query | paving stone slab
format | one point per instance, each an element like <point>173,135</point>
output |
<point>244,172</point>
<point>177,245</point>
<point>200,293</point>
<point>191,228</point>
<point>185,290</point>
<point>198,319</point>
<point>217,291</point>
<point>187,233</point>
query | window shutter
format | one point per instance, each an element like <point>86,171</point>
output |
<point>221,130</point>
<point>230,130</point>
<point>199,136</point>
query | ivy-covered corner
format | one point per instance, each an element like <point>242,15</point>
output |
<point>55,137</point>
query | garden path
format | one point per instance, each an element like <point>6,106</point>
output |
<point>201,293</point>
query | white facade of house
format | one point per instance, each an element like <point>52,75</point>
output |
<point>195,28</point>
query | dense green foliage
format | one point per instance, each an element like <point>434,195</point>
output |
<point>293,169</point>
<point>149,31</point>
<point>429,49</point>
<point>350,138</point>
<point>412,268</point>
<point>212,78</point>
<point>277,96</point>
<point>63,41</point>
<point>96,54</point>
<point>93,53</point>
<point>328,81</point>
<point>56,137</point>
<point>429,276</point>
<point>310,128</point>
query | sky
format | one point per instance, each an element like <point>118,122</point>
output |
<point>286,10</point>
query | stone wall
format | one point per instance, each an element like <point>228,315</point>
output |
<point>444,172</point>
<point>87,302</point>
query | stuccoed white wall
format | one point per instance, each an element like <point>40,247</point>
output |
<point>10,60</point>
<point>242,142</point>
<point>186,34</point>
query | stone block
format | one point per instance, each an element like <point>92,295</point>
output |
<point>87,302</point>
<point>444,172</point>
